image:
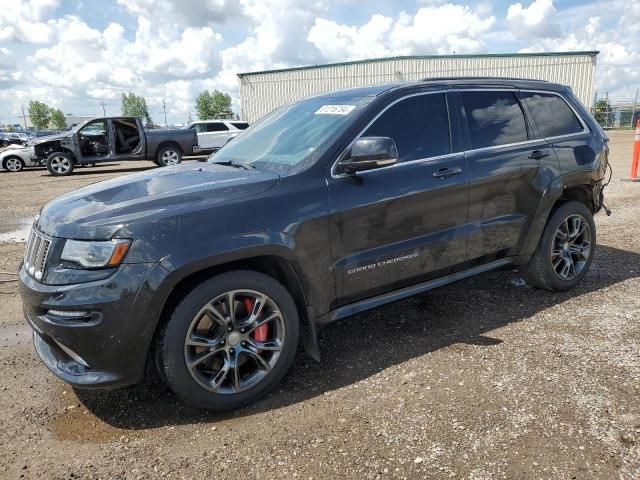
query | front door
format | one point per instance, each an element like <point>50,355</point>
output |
<point>509,171</point>
<point>399,225</point>
<point>94,142</point>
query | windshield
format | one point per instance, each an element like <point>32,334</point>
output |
<point>291,137</point>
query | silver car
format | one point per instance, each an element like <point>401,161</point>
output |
<point>15,157</point>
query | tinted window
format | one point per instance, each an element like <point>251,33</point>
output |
<point>240,125</point>
<point>419,125</point>
<point>494,118</point>
<point>552,115</point>
<point>216,127</point>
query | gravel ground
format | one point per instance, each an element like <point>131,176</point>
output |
<point>484,379</point>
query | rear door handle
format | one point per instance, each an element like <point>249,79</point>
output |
<point>538,155</point>
<point>447,172</point>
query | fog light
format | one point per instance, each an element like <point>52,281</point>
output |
<point>68,313</point>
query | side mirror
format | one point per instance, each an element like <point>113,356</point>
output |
<point>368,153</point>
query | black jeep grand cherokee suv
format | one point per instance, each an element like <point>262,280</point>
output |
<point>324,208</point>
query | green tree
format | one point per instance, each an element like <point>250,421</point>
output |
<point>602,112</point>
<point>213,104</point>
<point>135,106</point>
<point>57,119</point>
<point>39,114</point>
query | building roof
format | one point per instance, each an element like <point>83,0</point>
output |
<point>592,53</point>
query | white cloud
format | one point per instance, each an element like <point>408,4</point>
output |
<point>22,21</point>
<point>174,49</point>
<point>533,21</point>
<point>618,64</point>
<point>441,29</point>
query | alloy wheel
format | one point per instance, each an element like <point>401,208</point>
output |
<point>170,157</point>
<point>13,164</point>
<point>571,247</point>
<point>234,341</point>
<point>60,164</point>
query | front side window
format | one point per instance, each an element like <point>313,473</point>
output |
<point>95,129</point>
<point>419,125</point>
<point>552,115</point>
<point>199,127</point>
<point>494,118</point>
<point>217,127</point>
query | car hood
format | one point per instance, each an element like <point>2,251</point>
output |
<point>48,138</point>
<point>98,211</point>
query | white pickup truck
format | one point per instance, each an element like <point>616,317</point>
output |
<point>213,134</point>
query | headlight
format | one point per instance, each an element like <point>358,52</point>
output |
<point>95,254</point>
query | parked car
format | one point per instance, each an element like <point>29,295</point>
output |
<point>15,157</point>
<point>9,138</point>
<point>324,208</point>
<point>213,134</point>
<point>103,140</point>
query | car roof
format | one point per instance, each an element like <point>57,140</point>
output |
<point>444,82</point>
<point>218,120</point>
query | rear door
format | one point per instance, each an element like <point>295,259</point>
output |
<point>217,134</point>
<point>557,122</point>
<point>510,170</point>
<point>401,224</point>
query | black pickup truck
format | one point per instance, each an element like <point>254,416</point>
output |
<point>327,207</point>
<point>111,139</point>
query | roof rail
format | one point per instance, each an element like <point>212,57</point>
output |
<point>431,79</point>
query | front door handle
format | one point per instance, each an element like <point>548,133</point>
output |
<point>538,155</point>
<point>447,172</point>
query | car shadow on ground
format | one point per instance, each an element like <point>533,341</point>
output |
<point>365,344</point>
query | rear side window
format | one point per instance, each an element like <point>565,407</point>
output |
<point>494,118</point>
<point>419,125</point>
<point>552,115</point>
<point>216,127</point>
<point>240,125</point>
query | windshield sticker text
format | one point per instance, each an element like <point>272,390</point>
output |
<point>335,110</point>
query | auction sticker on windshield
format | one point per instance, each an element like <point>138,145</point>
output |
<point>335,109</point>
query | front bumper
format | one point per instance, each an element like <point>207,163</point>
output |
<point>106,348</point>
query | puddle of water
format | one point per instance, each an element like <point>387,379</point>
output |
<point>19,235</point>
<point>10,336</point>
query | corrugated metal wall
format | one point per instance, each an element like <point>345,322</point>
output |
<point>261,93</point>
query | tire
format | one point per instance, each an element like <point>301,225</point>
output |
<point>550,266</point>
<point>60,164</point>
<point>169,156</point>
<point>204,310</point>
<point>13,164</point>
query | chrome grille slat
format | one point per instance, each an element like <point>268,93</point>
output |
<point>36,253</point>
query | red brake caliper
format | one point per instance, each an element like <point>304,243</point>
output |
<point>260,333</point>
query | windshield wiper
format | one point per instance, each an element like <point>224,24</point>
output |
<point>233,163</point>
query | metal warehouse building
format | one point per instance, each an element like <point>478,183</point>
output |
<point>262,92</point>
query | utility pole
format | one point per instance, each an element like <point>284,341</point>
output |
<point>104,112</point>
<point>633,108</point>
<point>24,117</point>
<point>164,109</point>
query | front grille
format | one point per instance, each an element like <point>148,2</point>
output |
<point>35,257</point>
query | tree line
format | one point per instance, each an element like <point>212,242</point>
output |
<point>209,105</point>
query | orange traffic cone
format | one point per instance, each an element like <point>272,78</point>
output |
<point>636,155</point>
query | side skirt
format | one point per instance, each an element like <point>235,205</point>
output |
<point>395,295</point>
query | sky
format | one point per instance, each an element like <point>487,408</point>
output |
<point>79,54</point>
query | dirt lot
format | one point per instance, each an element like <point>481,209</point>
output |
<point>487,378</point>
